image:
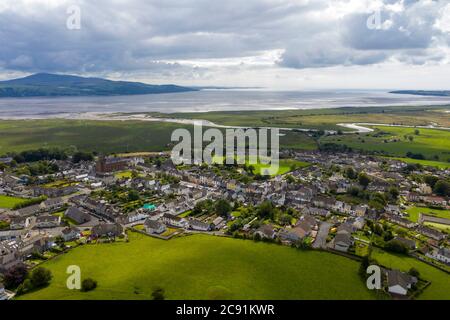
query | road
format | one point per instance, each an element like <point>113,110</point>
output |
<point>321,239</point>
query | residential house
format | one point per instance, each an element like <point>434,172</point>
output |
<point>218,222</point>
<point>3,294</point>
<point>9,255</point>
<point>19,223</point>
<point>170,219</point>
<point>442,255</point>
<point>266,231</point>
<point>52,204</point>
<point>411,244</point>
<point>431,233</point>
<point>48,221</point>
<point>401,221</point>
<point>77,215</point>
<point>152,227</point>
<point>399,282</point>
<point>198,225</point>
<point>437,201</point>
<point>29,211</point>
<point>107,229</point>
<point>360,211</point>
<point>70,234</point>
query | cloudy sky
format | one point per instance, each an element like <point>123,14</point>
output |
<point>280,44</point>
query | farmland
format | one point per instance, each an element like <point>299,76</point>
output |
<point>205,267</point>
<point>432,144</point>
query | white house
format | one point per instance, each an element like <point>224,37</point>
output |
<point>152,226</point>
<point>399,282</point>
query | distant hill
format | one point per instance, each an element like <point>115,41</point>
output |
<point>54,85</point>
<point>443,93</point>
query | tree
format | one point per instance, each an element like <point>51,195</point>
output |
<point>223,208</point>
<point>15,276</point>
<point>442,188</point>
<point>350,173</point>
<point>430,180</point>
<point>134,174</point>
<point>417,132</point>
<point>266,210</point>
<point>414,272</point>
<point>396,247</point>
<point>133,195</point>
<point>285,219</point>
<point>363,179</point>
<point>40,277</point>
<point>394,193</point>
<point>82,156</point>
<point>59,240</point>
<point>88,285</point>
<point>158,294</point>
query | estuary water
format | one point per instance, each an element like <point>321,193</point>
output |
<point>205,101</point>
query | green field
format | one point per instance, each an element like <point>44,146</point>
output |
<point>425,163</point>
<point>7,202</point>
<point>325,119</point>
<point>285,165</point>
<point>205,267</point>
<point>440,281</point>
<point>414,212</point>
<point>106,136</point>
<point>391,141</point>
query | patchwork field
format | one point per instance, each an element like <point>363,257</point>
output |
<point>440,281</point>
<point>7,202</point>
<point>433,144</point>
<point>205,267</point>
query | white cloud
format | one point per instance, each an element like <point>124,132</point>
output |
<point>276,42</point>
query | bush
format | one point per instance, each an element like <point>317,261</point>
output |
<point>158,294</point>
<point>414,272</point>
<point>40,277</point>
<point>396,247</point>
<point>15,276</point>
<point>88,285</point>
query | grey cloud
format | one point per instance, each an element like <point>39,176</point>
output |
<point>130,36</point>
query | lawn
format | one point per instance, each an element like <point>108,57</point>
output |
<point>205,267</point>
<point>391,141</point>
<point>440,281</point>
<point>285,165</point>
<point>124,174</point>
<point>413,213</point>
<point>7,202</point>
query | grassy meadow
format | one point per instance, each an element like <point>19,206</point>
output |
<point>433,144</point>
<point>205,267</point>
<point>106,136</point>
<point>325,119</point>
<point>440,281</point>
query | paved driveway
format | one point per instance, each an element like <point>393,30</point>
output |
<point>321,239</point>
